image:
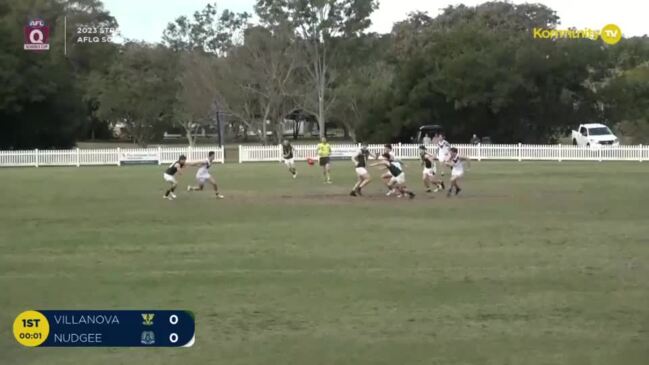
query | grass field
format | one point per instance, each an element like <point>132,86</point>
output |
<point>537,263</point>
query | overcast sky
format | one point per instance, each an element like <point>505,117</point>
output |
<point>146,19</point>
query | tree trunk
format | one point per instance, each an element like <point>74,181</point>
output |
<point>321,115</point>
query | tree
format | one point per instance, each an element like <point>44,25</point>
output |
<point>364,76</point>
<point>139,90</point>
<point>40,101</point>
<point>260,75</point>
<point>479,70</point>
<point>627,102</point>
<point>197,91</point>
<point>208,31</point>
<point>318,23</point>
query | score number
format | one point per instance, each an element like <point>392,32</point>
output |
<point>31,328</point>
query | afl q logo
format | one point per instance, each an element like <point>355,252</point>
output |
<point>37,35</point>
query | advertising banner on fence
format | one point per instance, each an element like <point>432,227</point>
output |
<point>343,153</point>
<point>139,158</point>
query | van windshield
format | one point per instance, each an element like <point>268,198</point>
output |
<point>599,131</point>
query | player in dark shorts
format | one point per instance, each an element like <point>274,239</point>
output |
<point>398,177</point>
<point>429,174</point>
<point>363,176</point>
<point>324,153</point>
<point>289,158</point>
<point>170,176</point>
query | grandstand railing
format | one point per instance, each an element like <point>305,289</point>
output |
<point>515,152</point>
<point>97,157</point>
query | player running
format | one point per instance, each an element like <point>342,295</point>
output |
<point>170,176</point>
<point>289,160</point>
<point>457,173</point>
<point>398,180</point>
<point>443,150</point>
<point>386,177</point>
<point>324,153</point>
<point>360,161</point>
<point>428,175</point>
<point>203,176</point>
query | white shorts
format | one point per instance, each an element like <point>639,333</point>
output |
<point>203,178</point>
<point>290,162</point>
<point>428,172</point>
<point>170,179</point>
<point>457,174</point>
<point>442,157</point>
<point>361,171</point>
<point>401,179</point>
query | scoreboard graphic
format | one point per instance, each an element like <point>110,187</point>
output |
<point>125,328</point>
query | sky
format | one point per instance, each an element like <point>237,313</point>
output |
<point>146,19</point>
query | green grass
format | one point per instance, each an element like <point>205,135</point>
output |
<point>537,263</point>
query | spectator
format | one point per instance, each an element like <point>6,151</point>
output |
<point>475,139</point>
<point>427,141</point>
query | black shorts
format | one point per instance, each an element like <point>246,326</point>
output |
<point>324,161</point>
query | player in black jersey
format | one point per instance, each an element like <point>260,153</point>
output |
<point>289,159</point>
<point>363,176</point>
<point>170,176</point>
<point>429,173</point>
<point>398,177</point>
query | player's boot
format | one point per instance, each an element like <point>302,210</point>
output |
<point>353,193</point>
<point>457,191</point>
<point>219,196</point>
<point>173,196</point>
<point>411,195</point>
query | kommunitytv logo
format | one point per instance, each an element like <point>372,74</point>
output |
<point>37,35</point>
<point>610,34</point>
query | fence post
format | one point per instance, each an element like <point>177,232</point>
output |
<point>479,151</point>
<point>78,157</point>
<point>560,152</point>
<point>641,153</point>
<point>400,154</point>
<point>189,153</point>
<point>36,157</point>
<point>280,153</point>
<point>119,154</point>
<point>240,154</point>
<point>599,154</point>
<point>520,152</point>
<point>159,155</point>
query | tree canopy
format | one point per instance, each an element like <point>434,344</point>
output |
<point>471,69</point>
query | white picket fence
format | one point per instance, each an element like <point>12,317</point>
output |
<point>96,157</point>
<point>516,152</point>
<point>165,155</point>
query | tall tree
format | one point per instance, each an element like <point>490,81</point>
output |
<point>260,73</point>
<point>139,91</point>
<point>318,23</point>
<point>197,92</point>
<point>208,31</point>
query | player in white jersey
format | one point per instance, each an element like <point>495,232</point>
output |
<point>443,150</point>
<point>203,176</point>
<point>429,172</point>
<point>457,170</point>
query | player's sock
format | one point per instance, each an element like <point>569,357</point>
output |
<point>457,191</point>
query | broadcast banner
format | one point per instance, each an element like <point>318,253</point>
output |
<point>124,328</point>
